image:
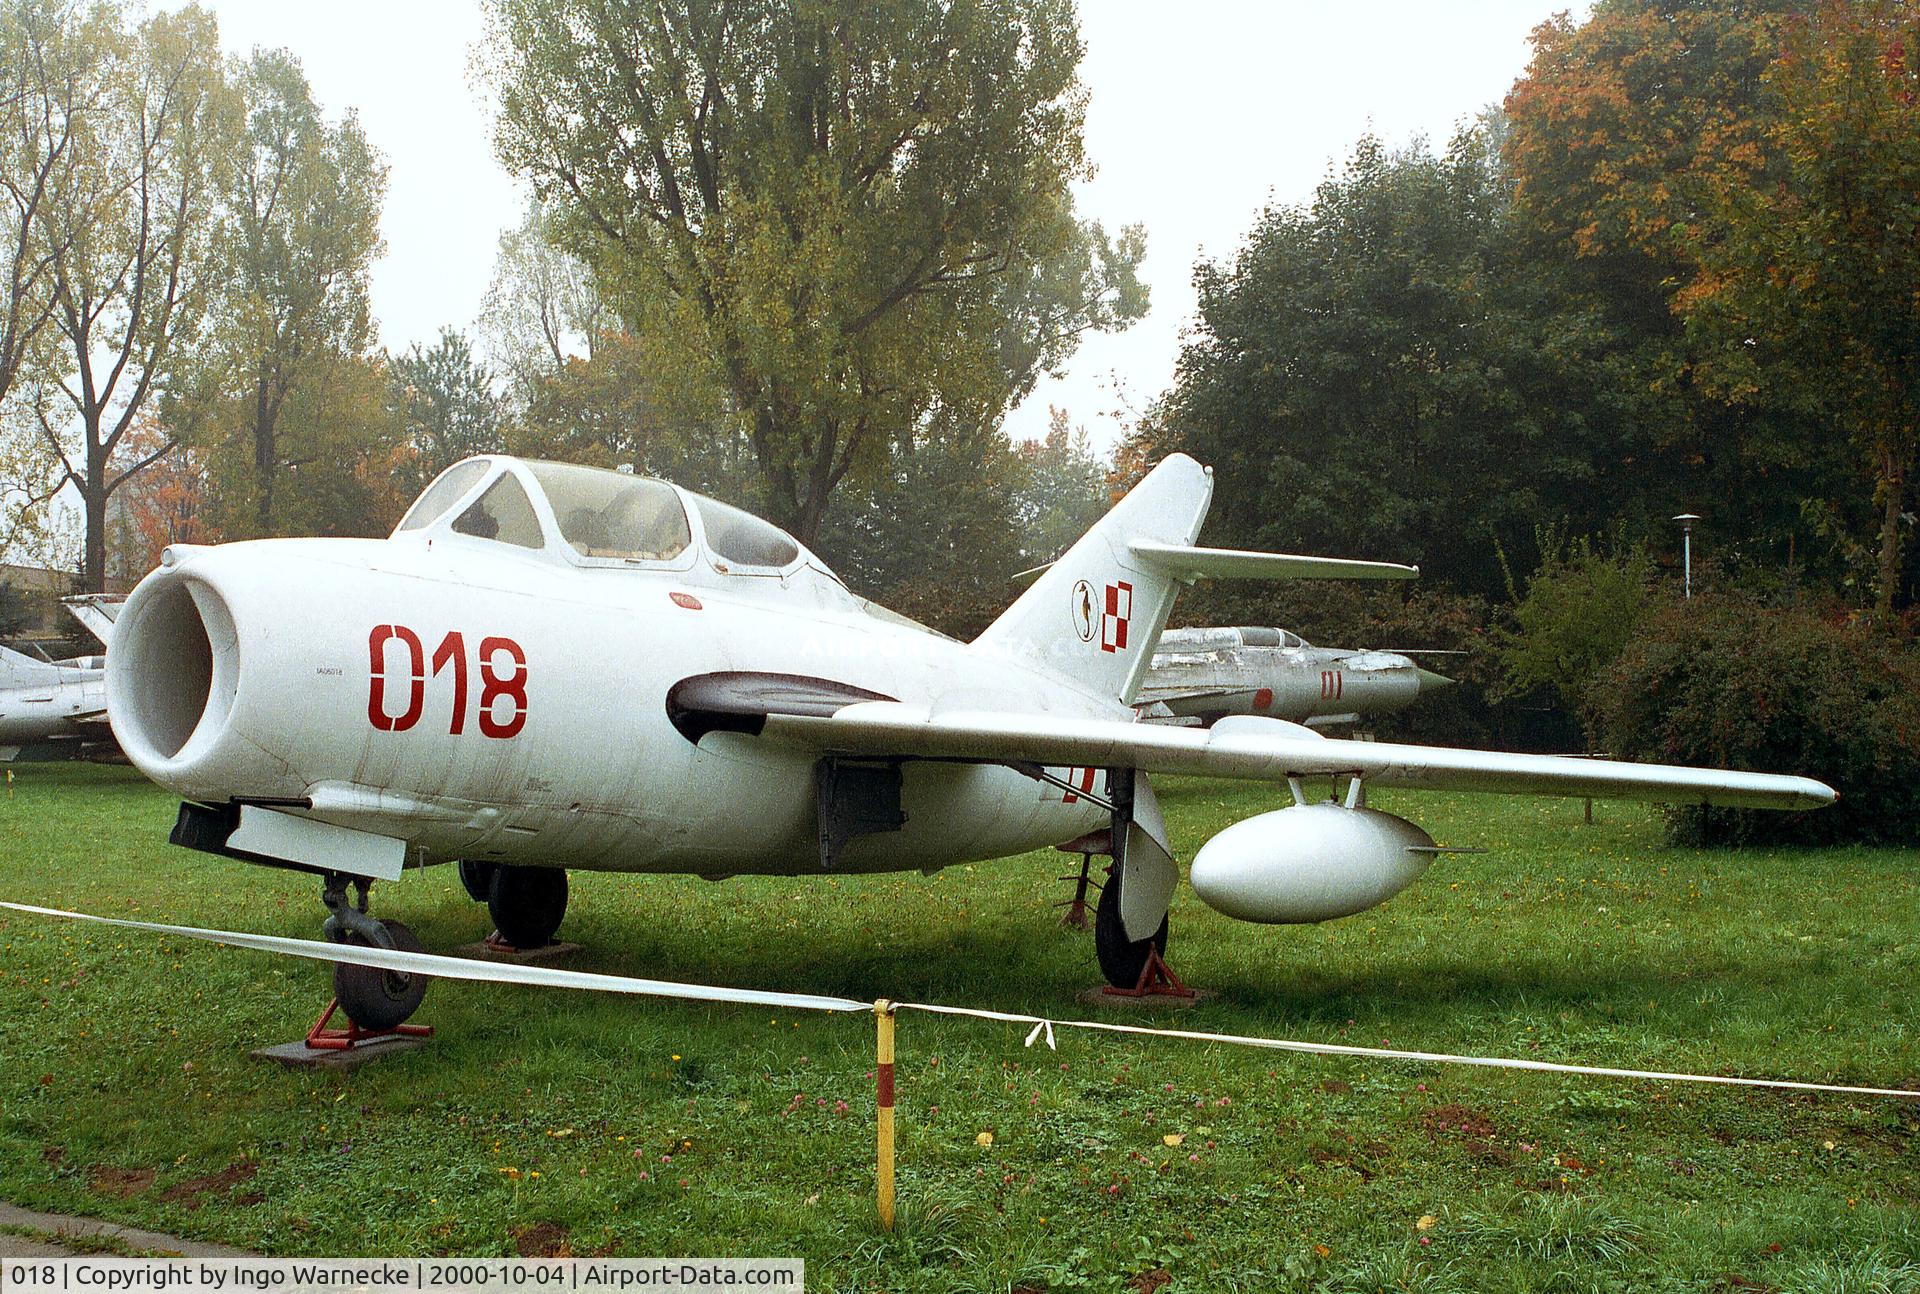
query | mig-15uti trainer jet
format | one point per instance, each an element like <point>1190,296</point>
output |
<point>351,708</point>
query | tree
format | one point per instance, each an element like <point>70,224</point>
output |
<point>30,476</point>
<point>342,461</point>
<point>300,231</point>
<point>605,411</point>
<point>129,248</point>
<point>1613,130</point>
<point>1620,133</point>
<point>166,504</point>
<point>1062,492</point>
<point>1809,278</point>
<point>447,403</point>
<point>37,129</point>
<point>1580,610</point>
<point>937,537</point>
<point>818,219</point>
<point>542,307</point>
<point>1374,375</point>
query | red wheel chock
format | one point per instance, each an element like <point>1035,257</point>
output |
<point>1156,980</point>
<point>321,1038</point>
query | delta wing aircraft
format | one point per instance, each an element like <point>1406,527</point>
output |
<point>351,708</point>
<point>1203,675</point>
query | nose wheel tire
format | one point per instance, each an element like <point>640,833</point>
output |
<point>378,999</point>
<point>1122,960</point>
<point>527,904</point>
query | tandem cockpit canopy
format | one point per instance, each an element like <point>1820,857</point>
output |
<point>591,517</point>
<point>1218,639</point>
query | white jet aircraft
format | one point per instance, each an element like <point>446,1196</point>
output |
<point>51,704</point>
<point>1202,675</point>
<point>550,667</point>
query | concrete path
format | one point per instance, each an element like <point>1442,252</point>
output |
<point>48,1228</point>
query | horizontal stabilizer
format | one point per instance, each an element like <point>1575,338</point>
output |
<point>1177,561</point>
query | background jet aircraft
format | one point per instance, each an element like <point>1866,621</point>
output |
<point>1202,675</point>
<point>51,709</point>
<point>58,709</point>
<point>352,707</point>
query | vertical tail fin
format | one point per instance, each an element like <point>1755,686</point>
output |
<point>18,670</point>
<point>1097,612</point>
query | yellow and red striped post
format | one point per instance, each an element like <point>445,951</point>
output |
<point>883,1085</point>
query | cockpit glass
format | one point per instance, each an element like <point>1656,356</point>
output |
<point>743,538</point>
<point>440,496</point>
<point>609,514</point>
<point>503,513</point>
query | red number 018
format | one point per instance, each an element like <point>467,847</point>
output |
<point>495,686</point>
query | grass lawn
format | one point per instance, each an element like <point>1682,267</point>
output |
<point>545,1122</point>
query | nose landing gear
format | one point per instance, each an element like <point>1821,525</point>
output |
<point>375,1000</point>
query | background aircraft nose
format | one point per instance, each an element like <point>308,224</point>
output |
<point>1430,681</point>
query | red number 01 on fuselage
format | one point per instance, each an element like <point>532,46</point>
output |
<point>452,650</point>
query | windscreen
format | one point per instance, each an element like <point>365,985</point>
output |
<point>503,513</point>
<point>608,514</point>
<point>441,495</point>
<point>744,539</point>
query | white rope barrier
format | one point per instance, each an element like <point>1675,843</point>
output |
<point>1042,1026</point>
<point>1394,1053</point>
<point>467,968</point>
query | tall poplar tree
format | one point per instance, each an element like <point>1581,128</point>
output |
<point>129,248</point>
<point>819,219</point>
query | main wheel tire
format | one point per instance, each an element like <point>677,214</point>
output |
<point>477,877</point>
<point>527,904</point>
<point>1121,959</point>
<point>375,998</point>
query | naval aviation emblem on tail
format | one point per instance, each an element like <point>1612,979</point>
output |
<point>1085,621</point>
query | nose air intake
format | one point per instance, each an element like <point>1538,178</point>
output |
<point>173,671</point>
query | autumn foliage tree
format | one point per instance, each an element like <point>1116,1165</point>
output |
<point>1726,190</point>
<point>1809,257</point>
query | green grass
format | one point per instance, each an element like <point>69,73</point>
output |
<point>540,1119</point>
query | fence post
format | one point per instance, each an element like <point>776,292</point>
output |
<point>883,1084</point>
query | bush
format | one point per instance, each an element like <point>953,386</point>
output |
<point>1728,683</point>
<point>1580,611</point>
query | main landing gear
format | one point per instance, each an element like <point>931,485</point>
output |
<point>1135,839</point>
<point>1132,967</point>
<point>526,903</point>
<point>375,1000</point>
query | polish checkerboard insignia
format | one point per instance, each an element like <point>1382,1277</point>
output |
<point>1113,623</point>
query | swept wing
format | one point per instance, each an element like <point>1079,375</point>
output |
<point>1267,751</point>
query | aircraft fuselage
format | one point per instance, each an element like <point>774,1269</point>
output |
<point>486,706</point>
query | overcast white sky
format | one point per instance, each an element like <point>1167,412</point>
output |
<point>1201,112</point>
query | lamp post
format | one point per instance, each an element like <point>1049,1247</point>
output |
<point>1686,520</point>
